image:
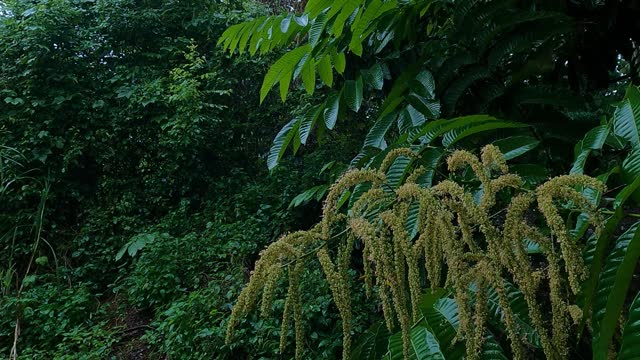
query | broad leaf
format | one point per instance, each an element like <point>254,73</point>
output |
<point>594,253</point>
<point>282,70</point>
<point>325,71</point>
<point>612,290</point>
<point>374,76</point>
<point>441,315</point>
<point>281,142</point>
<point>429,159</point>
<point>456,135</point>
<point>339,62</point>
<point>331,110</point>
<point>515,146</point>
<point>308,121</point>
<point>375,137</point>
<point>314,193</point>
<point>284,25</point>
<point>433,129</point>
<point>429,108</point>
<point>518,308</point>
<point>316,29</point>
<point>372,345</point>
<point>593,140</point>
<point>398,170</point>
<point>353,93</point>
<point>630,348</point>
<point>424,345</point>
<point>309,76</point>
<point>626,118</point>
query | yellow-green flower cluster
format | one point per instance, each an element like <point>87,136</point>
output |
<point>453,235</point>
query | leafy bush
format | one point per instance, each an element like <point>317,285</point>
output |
<point>56,321</point>
<point>194,326</point>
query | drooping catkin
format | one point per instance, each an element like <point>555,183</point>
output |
<point>455,236</point>
<point>562,187</point>
<point>273,275</point>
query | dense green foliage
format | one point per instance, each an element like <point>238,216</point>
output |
<point>123,128</point>
<point>411,63</point>
<point>146,159</point>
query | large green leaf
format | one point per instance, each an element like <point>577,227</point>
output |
<point>461,85</point>
<point>626,124</point>
<point>285,80</point>
<point>424,345</point>
<point>339,62</point>
<point>455,135</point>
<point>630,348</point>
<point>398,170</point>
<point>433,129</point>
<point>427,85</point>
<point>594,252</point>
<point>612,290</point>
<point>626,118</point>
<point>374,76</point>
<point>316,29</point>
<point>631,164</point>
<point>315,7</point>
<point>325,71</point>
<point>515,146</point>
<point>331,110</point>
<point>345,12</point>
<point>519,309</point>
<point>441,315</point>
<point>229,35</point>
<point>308,121</point>
<point>593,140</point>
<point>429,159</point>
<point>314,193</point>
<point>428,107</point>
<point>411,222</point>
<point>281,142</point>
<point>284,24</point>
<point>282,70</point>
<point>353,93</point>
<point>309,75</point>
<point>359,27</point>
<point>375,137</point>
<point>373,344</point>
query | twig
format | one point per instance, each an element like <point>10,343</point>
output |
<point>312,251</point>
<point>14,349</point>
<point>127,332</point>
<point>609,212</point>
